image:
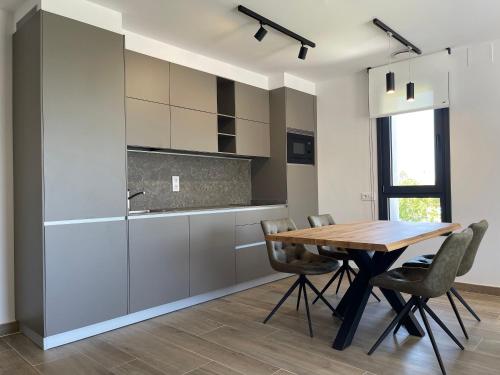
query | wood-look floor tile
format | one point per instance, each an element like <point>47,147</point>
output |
<point>3,345</point>
<point>158,353</point>
<point>290,358</point>
<point>283,372</point>
<point>33,354</point>
<point>103,352</point>
<point>75,364</point>
<point>136,367</point>
<point>230,358</point>
<point>11,363</point>
<point>214,368</point>
<point>189,320</point>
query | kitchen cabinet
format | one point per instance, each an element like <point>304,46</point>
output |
<point>190,88</point>
<point>193,130</point>
<point>83,120</point>
<point>300,110</point>
<point>85,274</point>
<point>251,103</point>
<point>255,216</point>
<point>211,261</point>
<point>252,138</point>
<point>302,182</point>
<point>252,263</point>
<point>148,124</point>
<point>159,261</point>
<point>147,78</point>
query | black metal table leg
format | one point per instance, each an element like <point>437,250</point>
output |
<point>353,304</point>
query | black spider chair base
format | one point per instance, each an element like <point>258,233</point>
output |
<point>420,304</point>
<point>346,269</point>
<point>301,282</point>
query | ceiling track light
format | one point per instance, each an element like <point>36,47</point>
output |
<point>303,52</point>
<point>261,33</point>
<point>390,80</point>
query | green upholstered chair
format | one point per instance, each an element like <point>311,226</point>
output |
<point>335,253</point>
<point>294,258</point>
<point>423,284</point>
<point>425,261</point>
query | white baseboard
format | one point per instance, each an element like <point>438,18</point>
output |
<point>109,325</point>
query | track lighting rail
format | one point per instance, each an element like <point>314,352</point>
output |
<point>267,22</point>
<point>397,36</point>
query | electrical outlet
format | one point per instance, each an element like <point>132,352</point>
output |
<point>367,197</point>
<point>175,183</point>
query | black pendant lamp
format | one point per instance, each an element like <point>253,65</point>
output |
<point>410,87</point>
<point>390,80</point>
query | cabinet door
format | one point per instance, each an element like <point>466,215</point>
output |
<point>85,274</point>
<point>147,78</point>
<point>193,130</point>
<point>148,124</point>
<point>190,88</point>
<point>302,182</point>
<point>84,120</point>
<point>252,138</point>
<point>251,103</point>
<point>252,263</point>
<point>159,261</point>
<point>211,261</point>
<point>300,110</point>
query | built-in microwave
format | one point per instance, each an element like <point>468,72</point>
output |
<point>300,148</point>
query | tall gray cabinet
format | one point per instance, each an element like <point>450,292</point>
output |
<point>70,175</point>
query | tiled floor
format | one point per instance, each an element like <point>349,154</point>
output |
<point>226,337</point>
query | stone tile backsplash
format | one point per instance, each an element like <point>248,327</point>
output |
<point>204,181</point>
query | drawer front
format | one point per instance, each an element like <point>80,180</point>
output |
<point>252,263</point>
<point>256,216</point>
<point>248,234</point>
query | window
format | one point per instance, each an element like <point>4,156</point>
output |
<point>414,166</point>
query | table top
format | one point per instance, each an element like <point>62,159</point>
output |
<point>372,235</point>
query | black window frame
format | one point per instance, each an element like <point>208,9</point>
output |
<point>442,188</point>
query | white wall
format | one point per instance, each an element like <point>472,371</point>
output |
<point>6,193</point>
<point>344,157</point>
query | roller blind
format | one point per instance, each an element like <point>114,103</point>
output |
<point>430,75</point>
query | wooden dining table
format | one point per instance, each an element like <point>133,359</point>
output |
<point>374,246</point>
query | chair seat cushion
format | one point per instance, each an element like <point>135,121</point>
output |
<point>335,253</point>
<point>404,280</point>
<point>309,264</point>
<point>421,261</point>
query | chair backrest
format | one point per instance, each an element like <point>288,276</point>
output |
<point>317,221</point>
<point>280,252</point>
<point>444,267</point>
<point>478,229</point>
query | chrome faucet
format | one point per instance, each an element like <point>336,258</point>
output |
<point>129,197</point>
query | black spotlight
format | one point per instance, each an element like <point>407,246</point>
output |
<point>410,91</point>
<point>390,83</point>
<point>261,33</point>
<point>303,52</point>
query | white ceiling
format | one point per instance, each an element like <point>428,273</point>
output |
<point>342,29</point>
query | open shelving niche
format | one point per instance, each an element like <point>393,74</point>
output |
<point>226,122</point>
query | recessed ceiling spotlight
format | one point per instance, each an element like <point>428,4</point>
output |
<point>261,33</point>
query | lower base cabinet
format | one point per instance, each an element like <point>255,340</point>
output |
<point>252,263</point>
<point>159,261</point>
<point>85,274</point>
<point>212,258</point>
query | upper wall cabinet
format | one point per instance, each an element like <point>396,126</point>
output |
<point>147,78</point>
<point>148,124</point>
<point>84,153</point>
<point>300,110</point>
<point>190,88</point>
<point>194,130</point>
<point>252,138</point>
<point>251,103</point>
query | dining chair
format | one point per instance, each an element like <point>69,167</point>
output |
<point>343,255</point>
<point>423,284</point>
<point>295,259</point>
<point>424,261</point>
